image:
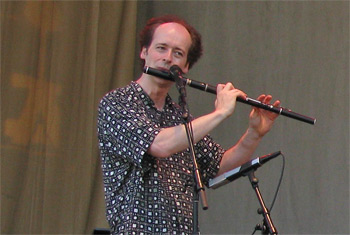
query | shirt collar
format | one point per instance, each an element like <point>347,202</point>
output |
<point>147,100</point>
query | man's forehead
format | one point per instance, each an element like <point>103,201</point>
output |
<point>169,24</point>
<point>175,30</point>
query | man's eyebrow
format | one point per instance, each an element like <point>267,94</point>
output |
<point>161,43</point>
<point>166,44</point>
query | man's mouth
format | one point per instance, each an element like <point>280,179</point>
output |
<point>163,69</point>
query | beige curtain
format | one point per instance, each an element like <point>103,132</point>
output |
<point>58,58</point>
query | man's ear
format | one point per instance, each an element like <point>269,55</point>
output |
<point>143,53</point>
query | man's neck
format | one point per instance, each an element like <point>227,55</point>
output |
<point>156,88</point>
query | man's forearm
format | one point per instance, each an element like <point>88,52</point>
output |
<point>241,152</point>
<point>174,139</point>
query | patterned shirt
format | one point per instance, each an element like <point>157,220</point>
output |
<point>145,194</point>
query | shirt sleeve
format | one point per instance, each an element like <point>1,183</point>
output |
<point>123,131</point>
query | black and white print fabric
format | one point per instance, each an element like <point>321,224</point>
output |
<point>144,194</point>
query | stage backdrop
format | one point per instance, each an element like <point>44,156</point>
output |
<point>58,58</point>
<point>297,51</point>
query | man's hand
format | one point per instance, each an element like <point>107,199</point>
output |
<point>226,98</point>
<point>261,120</point>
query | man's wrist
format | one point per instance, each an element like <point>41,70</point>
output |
<point>254,134</point>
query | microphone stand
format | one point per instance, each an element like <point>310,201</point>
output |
<point>176,74</point>
<point>267,226</point>
<point>198,185</point>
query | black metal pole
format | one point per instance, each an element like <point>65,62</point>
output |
<point>268,224</point>
<point>199,190</point>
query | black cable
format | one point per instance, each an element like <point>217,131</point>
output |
<point>279,182</point>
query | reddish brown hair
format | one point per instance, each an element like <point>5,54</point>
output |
<point>146,36</point>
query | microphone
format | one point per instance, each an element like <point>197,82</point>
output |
<point>176,75</point>
<point>231,175</point>
<point>176,72</point>
<point>212,89</point>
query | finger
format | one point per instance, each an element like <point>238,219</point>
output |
<point>277,103</point>
<point>267,99</point>
<point>219,87</point>
<point>261,98</point>
<point>229,86</point>
<point>242,94</point>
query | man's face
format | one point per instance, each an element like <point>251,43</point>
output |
<point>170,45</point>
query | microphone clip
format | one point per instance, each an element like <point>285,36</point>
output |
<point>176,74</point>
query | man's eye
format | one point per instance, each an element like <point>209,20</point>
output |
<point>179,54</point>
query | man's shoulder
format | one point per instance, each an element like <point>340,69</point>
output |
<point>122,98</point>
<point>120,93</point>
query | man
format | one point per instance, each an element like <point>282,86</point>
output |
<point>146,163</point>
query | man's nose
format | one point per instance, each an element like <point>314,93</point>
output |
<point>168,56</point>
